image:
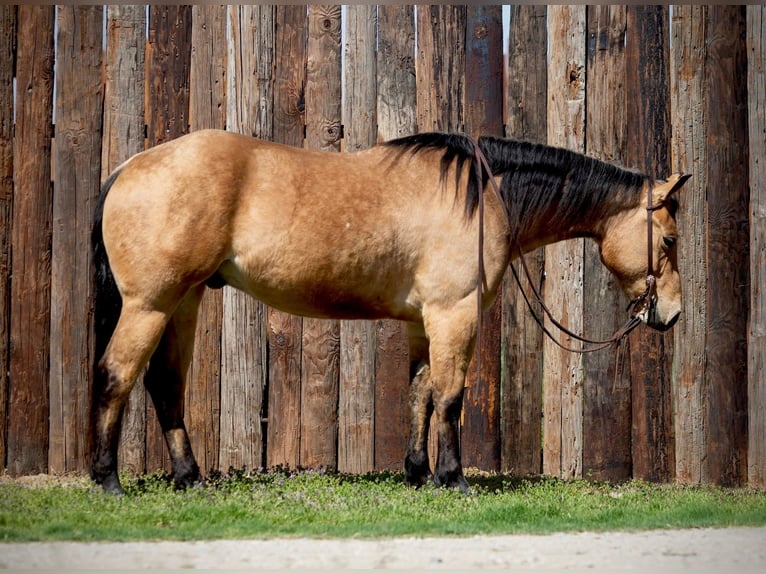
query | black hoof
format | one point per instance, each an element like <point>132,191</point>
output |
<point>416,470</point>
<point>187,479</point>
<point>110,482</point>
<point>453,479</point>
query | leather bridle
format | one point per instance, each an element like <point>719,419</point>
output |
<point>635,308</point>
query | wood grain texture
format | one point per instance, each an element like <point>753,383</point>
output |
<point>320,347</point>
<point>563,287</point>
<point>728,246</point>
<point>168,63</point>
<point>480,435</point>
<point>440,67</point>
<point>690,125</point>
<point>648,115</point>
<point>207,110</point>
<point>756,390</point>
<point>7,54</point>
<point>77,160</point>
<point>123,136</point>
<point>522,338</point>
<point>244,363</point>
<point>606,394</point>
<point>28,392</point>
<point>396,116</point>
<point>285,331</point>
<point>356,410</point>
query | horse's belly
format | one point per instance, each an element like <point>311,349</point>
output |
<point>317,291</point>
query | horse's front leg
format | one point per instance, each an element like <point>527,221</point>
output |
<point>416,467</point>
<point>452,339</point>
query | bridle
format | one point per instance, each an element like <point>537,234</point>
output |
<point>635,308</point>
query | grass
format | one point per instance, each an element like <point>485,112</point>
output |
<point>322,504</point>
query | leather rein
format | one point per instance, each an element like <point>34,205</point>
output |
<point>635,308</point>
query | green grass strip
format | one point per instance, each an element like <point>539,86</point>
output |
<point>319,504</point>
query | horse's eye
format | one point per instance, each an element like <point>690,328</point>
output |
<point>669,241</point>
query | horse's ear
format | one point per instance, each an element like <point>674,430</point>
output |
<point>667,188</point>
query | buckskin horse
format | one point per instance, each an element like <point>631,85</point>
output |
<point>389,232</point>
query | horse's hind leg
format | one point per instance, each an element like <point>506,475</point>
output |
<point>134,339</point>
<point>452,338</point>
<point>416,468</point>
<point>166,382</point>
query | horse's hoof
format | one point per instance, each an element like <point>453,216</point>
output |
<point>416,472</point>
<point>453,480</point>
<point>110,483</point>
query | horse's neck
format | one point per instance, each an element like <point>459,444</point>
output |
<point>541,233</point>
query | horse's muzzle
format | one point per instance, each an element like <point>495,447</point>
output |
<point>654,321</point>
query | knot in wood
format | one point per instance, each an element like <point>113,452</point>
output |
<point>480,31</point>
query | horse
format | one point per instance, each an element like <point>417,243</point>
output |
<point>387,232</point>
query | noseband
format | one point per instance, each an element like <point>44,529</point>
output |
<point>638,306</point>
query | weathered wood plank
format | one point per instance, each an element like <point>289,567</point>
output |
<point>728,246</point>
<point>77,160</point>
<point>124,105</point>
<point>320,348</point>
<point>7,54</point>
<point>168,62</point>
<point>756,391</point>
<point>440,68</point>
<point>207,110</point>
<point>285,331</point>
<point>606,395</point>
<point>28,399</point>
<point>480,436</point>
<point>244,360</point>
<point>522,338</point>
<point>563,287</point>
<point>690,126</point>
<point>356,412</point>
<point>396,113</point>
<point>648,121</point>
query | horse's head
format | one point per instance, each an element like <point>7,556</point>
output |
<point>625,250</point>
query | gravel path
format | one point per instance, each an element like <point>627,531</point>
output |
<point>737,550</point>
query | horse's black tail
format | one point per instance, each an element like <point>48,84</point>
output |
<point>108,302</point>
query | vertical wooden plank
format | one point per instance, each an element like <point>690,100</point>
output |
<point>480,437</point>
<point>244,362</point>
<point>648,120</point>
<point>77,160</point>
<point>563,287</point>
<point>756,390</point>
<point>522,338</point>
<point>285,331</point>
<point>606,395</point>
<point>728,246</point>
<point>124,121</point>
<point>207,110</point>
<point>356,411</point>
<point>168,60</point>
<point>319,361</point>
<point>28,401</point>
<point>396,113</point>
<point>440,68</point>
<point>7,54</point>
<point>690,129</point>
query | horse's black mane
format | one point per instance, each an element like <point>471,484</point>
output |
<point>539,181</point>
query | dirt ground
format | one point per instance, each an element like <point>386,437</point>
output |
<point>701,550</point>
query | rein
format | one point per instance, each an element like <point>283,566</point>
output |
<point>635,307</point>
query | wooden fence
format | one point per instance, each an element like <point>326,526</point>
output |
<point>627,84</point>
